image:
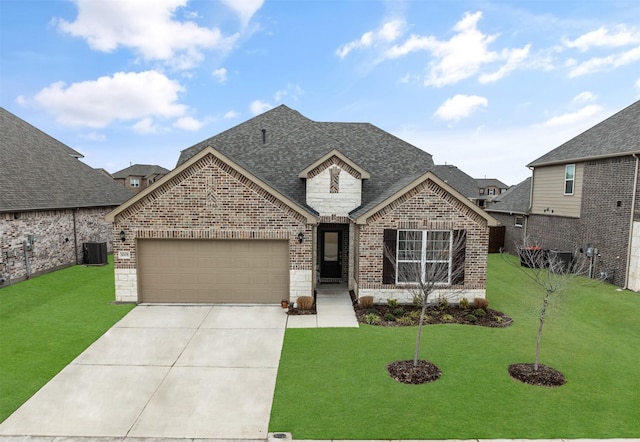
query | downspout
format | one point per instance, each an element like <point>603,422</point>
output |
<point>75,235</point>
<point>526,218</point>
<point>633,209</point>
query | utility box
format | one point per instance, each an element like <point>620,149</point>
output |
<point>94,253</point>
<point>564,258</point>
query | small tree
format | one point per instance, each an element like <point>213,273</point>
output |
<point>552,272</point>
<point>425,264</point>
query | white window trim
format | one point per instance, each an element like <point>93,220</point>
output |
<point>134,182</point>
<point>573,180</point>
<point>423,255</point>
<point>515,220</point>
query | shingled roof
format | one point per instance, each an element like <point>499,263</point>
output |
<point>41,173</point>
<point>515,200</point>
<point>618,135</point>
<point>143,170</point>
<point>457,179</point>
<point>276,145</point>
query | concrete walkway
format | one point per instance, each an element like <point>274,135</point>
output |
<point>165,372</point>
<point>333,309</point>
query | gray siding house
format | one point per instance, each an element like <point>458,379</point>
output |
<point>585,197</point>
<point>51,203</point>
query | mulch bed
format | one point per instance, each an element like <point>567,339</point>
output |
<point>297,311</point>
<point>435,315</point>
<point>543,377</point>
<point>405,372</point>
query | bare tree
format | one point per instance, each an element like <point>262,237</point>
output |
<point>426,262</point>
<point>552,272</point>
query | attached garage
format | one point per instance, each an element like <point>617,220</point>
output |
<point>213,271</point>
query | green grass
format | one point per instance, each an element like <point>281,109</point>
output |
<point>332,383</point>
<point>46,322</point>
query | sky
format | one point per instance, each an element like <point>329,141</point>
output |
<point>488,86</point>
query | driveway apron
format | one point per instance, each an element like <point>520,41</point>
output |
<point>166,372</point>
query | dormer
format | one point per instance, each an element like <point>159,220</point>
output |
<point>334,184</point>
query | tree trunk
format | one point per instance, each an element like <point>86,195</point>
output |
<point>417,351</point>
<point>542,315</point>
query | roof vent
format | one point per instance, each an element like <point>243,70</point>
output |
<point>264,136</point>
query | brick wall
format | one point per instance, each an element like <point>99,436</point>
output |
<point>604,219</point>
<point>210,200</point>
<point>426,207</point>
<point>53,232</point>
<point>513,235</point>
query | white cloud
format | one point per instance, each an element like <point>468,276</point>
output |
<point>244,8</point>
<point>230,115</point>
<point>460,106</point>
<point>220,75</point>
<point>257,107</point>
<point>572,118</point>
<point>93,136</point>
<point>122,97</point>
<point>621,36</point>
<point>598,64</point>
<point>290,91</point>
<point>388,32</point>
<point>584,97</point>
<point>188,123</point>
<point>147,26</point>
<point>463,55</point>
<point>145,126</point>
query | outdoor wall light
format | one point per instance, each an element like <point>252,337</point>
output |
<point>122,235</point>
<point>300,237</point>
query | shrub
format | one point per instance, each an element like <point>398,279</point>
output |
<point>305,302</point>
<point>415,314</point>
<point>392,303</point>
<point>366,301</point>
<point>446,318</point>
<point>398,312</point>
<point>389,317</point>
<point>464,304</point>
<point>372,319</point>
<point>479,313</point>
<point>480,303</point>
<point>443,303</point>
<point>405,320</point>
<point>498,319</point>
<point>470,318</point>
<point>372,311</point>
<point>417,301</point>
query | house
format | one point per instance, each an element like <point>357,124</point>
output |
<point>272,207</point>
<point>511,210</point>
<point>51,203</point>
<point>585,197</point>
<point>488,189</point>
<point>138,177</point>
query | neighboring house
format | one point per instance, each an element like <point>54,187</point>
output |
<point>488,189</point>
<point>50,204</point>
<point>585,196</point>
<point>511,209</point>
<point>272,207</point>
<point>139,176</point>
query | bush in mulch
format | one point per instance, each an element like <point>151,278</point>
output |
<point>544,376</point>
<point>452,314</point>
<point>298,311</point>
<point>405,372</point>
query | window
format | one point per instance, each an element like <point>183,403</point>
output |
<point>424,254</point>
<point>134,182</point>
<point>491,191</point>
<point>519,221</point>
<point>569,178</point>
<point>481,191</point>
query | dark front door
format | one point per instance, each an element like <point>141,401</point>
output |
<point>331,254</point>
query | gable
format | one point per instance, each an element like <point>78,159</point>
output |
<point>208,191</point>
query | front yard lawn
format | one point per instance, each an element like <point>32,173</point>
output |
<point>332,383</point>
<point>46,322</point>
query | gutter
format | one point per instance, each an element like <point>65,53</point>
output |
<point>633,209</point>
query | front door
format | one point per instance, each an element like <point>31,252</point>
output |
<point>331,254</point>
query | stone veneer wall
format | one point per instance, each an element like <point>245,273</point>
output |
<point>602,223</point>
<point>211,200</point>
<point>53,232</point>
<point>426,207</point>
<point>349,189</point>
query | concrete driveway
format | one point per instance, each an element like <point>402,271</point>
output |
<point>166,372</point>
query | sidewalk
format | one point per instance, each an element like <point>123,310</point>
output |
<point>333,309</point>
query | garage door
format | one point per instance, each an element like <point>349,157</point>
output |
<point>213,271</point>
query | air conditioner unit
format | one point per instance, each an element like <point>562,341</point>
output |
<point>94,253</point>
